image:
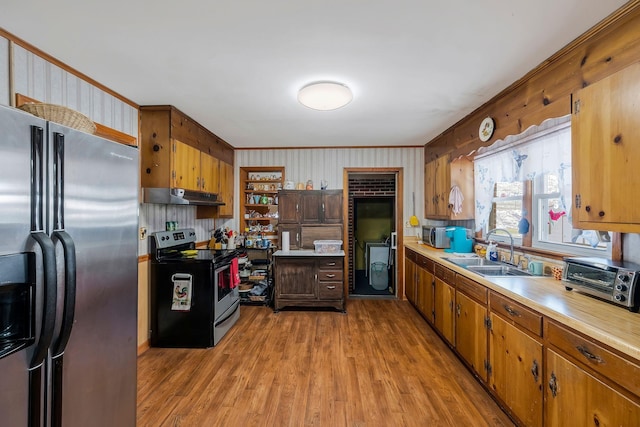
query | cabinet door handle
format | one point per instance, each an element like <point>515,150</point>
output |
<point>296,207</point>
<point>315,277</point>
<point>331,263</point>
<point>203,184</point>
<point>323,207</point>
<point>451,305</point>
<point>458,309</point>
<point>535,370</point>
<point>511,311</point>
<point>331,276</point>
<point>331,287</point>
<point>553,385</point>
<point>590,356</point>
<point>297,237</point>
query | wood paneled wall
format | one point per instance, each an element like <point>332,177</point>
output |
<point>545,92</point>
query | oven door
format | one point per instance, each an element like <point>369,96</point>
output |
<point>182,304</point>
<point>226,321</point>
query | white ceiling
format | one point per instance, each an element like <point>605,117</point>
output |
<point>415,66</point>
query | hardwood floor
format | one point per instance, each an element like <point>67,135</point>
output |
<point>378,365</point>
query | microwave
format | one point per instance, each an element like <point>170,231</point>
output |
<point>613,281</point>
<point>435,237</point>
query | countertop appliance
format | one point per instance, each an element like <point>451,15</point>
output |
<point>68,274</point>
<point>460,240</point>
<point>609,280</point>
<point>194,297</point>
<point>435,237</point>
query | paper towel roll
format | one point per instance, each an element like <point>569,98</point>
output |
<point>285,241</point>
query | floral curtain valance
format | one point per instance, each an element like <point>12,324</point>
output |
<point>538,150</point>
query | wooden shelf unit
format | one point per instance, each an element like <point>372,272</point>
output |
<point>262,182</point>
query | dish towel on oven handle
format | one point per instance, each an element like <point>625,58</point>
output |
<point>455,200</point>
<point>235,273</point>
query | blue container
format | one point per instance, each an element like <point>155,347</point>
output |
<point>459,242</point>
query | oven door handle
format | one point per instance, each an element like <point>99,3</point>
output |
<point>221,321</point>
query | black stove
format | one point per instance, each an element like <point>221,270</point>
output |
<point>193,292</point>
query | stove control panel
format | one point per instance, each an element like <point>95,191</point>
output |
<point>168,239</point>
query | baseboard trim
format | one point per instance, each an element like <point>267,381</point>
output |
<point>143,347</point>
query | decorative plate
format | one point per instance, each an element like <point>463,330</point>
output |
<point>486,129</point>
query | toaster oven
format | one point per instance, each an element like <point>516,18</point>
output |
<point>612,281</point>
<point>435,237</point>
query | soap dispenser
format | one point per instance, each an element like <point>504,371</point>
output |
<point>492,251</point>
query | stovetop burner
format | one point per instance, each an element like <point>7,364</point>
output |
<point>197,255</point>
<point>180,246</point>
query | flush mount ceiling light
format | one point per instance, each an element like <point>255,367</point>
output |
<point>325,96</point>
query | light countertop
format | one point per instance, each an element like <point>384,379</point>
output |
<point>305,253</point>
<point>610,324</point>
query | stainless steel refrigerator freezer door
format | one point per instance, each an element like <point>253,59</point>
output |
<point>100,213</point>
<point>15,220</point>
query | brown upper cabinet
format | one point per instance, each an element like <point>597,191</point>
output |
<point>310,206</point>
<point>225,193</point>
<point>605,129</point>
<point>177,152</point>
<point>194,170</point>
<point>440,176</point>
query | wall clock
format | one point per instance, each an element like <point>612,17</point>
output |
<point>486,129</point>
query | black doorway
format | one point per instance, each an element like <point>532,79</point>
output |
<point>372,219</point>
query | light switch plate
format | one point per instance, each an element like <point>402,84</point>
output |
<point>143,233</point>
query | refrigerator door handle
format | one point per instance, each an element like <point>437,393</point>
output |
<point>37,178</point>
<point>47,329</point>
<point>49,279</point>
<point>69,306</point>
<point>68,313</point>
<point>49,300</point>
<point>58,181</point>
<point>68,246</point>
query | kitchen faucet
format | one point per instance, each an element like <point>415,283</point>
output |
<point>510,237</point>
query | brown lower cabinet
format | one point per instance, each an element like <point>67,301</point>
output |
<point>577,398</point>
<point>425,287</point>
<point>542,372</point>
<point>516,370</point>
<point>444,299</point>
<point>309,281</point>
<point>410,278</point>
<point>578,369</point>
<point>471,325</point>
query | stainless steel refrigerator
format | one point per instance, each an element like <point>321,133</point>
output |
<point>68,276</point>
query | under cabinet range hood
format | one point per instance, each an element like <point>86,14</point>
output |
<point>179,196</point>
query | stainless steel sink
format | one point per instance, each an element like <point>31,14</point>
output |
<point>497,270</point>
<point>467,262</point>
<point>487,268</point>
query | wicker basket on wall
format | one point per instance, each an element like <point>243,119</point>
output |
<point>60,114</point>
